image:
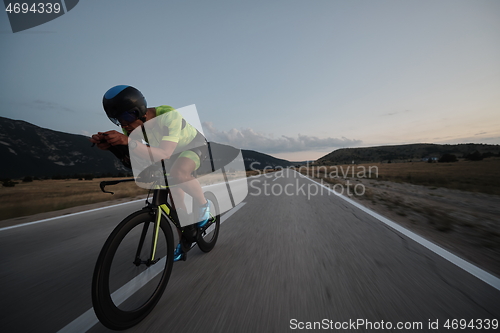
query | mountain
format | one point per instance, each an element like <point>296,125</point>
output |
<point>403,152</point>
<point>29,150</point>
<point>260,160</point>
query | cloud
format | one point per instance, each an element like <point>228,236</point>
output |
<point>396,112</point>
<point>44,105</point>
<point>247,138</point>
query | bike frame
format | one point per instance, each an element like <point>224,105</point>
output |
<point>159,205</point>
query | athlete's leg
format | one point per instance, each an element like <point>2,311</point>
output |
<point>178,194</point>
<point>179,203</point>
<point>182,175</point>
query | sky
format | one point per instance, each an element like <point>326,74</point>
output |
<point>294,79</point>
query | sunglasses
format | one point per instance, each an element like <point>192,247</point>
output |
<point>125,118</point>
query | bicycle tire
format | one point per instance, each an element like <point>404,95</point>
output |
<point>118,301</point>
<point>206,240</point>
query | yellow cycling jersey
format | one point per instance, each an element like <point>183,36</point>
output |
<point>170,126</point>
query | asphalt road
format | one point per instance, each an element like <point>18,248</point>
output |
<point>281,261</point>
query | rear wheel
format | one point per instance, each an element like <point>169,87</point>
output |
<point>126,284</point>
<point>207,236</point>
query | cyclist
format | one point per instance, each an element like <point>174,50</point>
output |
<point>125,106</point>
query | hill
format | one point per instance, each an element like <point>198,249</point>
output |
<point>29,150</point>
<point>261,160</point>
<point>414,152</point>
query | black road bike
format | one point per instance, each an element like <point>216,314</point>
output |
<point>135,263</point>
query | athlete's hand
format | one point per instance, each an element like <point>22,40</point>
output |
<point>100,140</point>
<point>116,138</point>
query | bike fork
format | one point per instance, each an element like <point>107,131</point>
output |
<point>155,235</point>
<point>154,243</point>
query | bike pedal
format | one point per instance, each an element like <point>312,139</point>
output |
<point>182,258</point>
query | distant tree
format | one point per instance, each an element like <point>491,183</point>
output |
<point>446,158</point>
<point>475,156</point>
<point>9,183</point>
<point>89,176</point>
<point>27,179</point>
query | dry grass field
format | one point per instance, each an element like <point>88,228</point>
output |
<point>48,195</point>
<point>474,176</point>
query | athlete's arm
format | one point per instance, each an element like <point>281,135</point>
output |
<point>165,150</point>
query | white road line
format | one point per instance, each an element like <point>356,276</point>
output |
<point>463,264</point>
<point>68,215</point>
<point>88,319</point>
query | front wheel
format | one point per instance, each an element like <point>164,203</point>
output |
<point>207,236</point>
<point>127,284</point>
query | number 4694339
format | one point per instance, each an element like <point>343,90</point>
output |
<point>35,8</point>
